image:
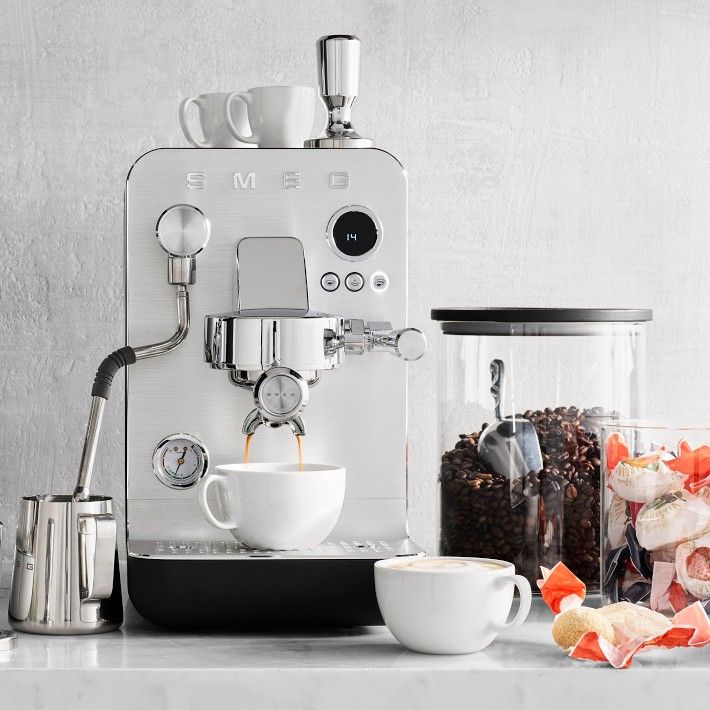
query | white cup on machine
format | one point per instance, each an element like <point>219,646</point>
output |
<point>278,116</point>
<point>275,506</point>
<point>449,605</point>
<point>215,133</point>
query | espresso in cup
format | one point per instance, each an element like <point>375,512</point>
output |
<point>449,605</point>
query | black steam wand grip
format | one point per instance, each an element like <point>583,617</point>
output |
<point>108,369</point>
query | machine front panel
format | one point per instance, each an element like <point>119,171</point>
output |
<point>356,416</point>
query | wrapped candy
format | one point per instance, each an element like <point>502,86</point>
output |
<point>692,565</point>
<point>617,632</point>
<point>644,479</point>
<point>672,518</point>
<point>618,519</point>
<point>694,464</point>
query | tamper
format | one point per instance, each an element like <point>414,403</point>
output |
<point>339,79</point>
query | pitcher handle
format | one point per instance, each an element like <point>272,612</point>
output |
<point>97,545</point>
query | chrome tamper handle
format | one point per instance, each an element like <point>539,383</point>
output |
<point>339,79</point>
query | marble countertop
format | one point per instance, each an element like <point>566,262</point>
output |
<point>145,666</point>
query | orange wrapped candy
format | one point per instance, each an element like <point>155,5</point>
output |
<point>616,451</point>
<point>634,628</point>
<point>693,463</point>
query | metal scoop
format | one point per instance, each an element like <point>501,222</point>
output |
<point>509,446</point>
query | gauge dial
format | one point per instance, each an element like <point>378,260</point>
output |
<point>180,460</point>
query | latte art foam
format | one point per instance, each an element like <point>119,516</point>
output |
<point>444,563</point>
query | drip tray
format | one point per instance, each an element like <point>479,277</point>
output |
<point>220,549</point>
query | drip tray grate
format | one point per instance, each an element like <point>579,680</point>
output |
<point>221,549</point>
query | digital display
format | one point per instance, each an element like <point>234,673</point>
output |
<point>354,233</point>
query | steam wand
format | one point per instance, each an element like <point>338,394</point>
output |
<point>182,231</point>
<point>101,390</point>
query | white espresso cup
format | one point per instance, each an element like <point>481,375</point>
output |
<point>215,133</point>
<point>278,116</point>
<point>275,506</point>
<point>449,605</point>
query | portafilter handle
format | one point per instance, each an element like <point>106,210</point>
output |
<point>408,344</point>
<point>339,80</point>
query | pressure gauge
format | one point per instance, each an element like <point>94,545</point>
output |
<point>180,460</point>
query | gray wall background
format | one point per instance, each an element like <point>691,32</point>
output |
<point>558,154</point>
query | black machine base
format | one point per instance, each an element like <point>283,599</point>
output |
<point>198,593</point>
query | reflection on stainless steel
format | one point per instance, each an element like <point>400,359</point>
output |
<point>365,547</point>
<point>183,325</point>
<point>271,274</point>
<point>236,341</point>
<point>183,230</point>
<point>408,344</point>
<point>65,577</point>
<point>88,454</point>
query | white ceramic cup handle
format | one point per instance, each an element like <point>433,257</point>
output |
<point>523,607</point>
<point>202,489</point>
<point>246,98</point>
<point>184,104</point>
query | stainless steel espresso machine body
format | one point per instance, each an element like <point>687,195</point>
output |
<point>298,305</point>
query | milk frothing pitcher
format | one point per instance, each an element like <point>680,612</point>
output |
<point>65,577</point>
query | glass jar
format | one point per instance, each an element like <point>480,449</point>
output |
<point>522,484</point>
<point>656,513</point>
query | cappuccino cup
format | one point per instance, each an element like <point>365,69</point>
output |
<point>278,116</point>
<point>215,133</point>
<point>275,506</point>
<point>449,605</point>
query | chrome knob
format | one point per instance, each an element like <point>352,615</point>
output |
<point>339,79</point>
<point>280,393</point>
<point>182,231</point>
<point>409,344</point>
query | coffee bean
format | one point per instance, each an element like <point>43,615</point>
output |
<point>557,515</point>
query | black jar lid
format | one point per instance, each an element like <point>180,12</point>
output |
<point>490,321</point>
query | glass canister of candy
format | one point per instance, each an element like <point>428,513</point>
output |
<point>656,514</point>
<point>522,395</point>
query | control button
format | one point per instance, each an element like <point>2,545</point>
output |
<point>379,281</point>
<point>354,233</point>
<point>354,281</point>
<point>329,281</point>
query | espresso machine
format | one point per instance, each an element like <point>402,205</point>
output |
<point>288,272</point>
